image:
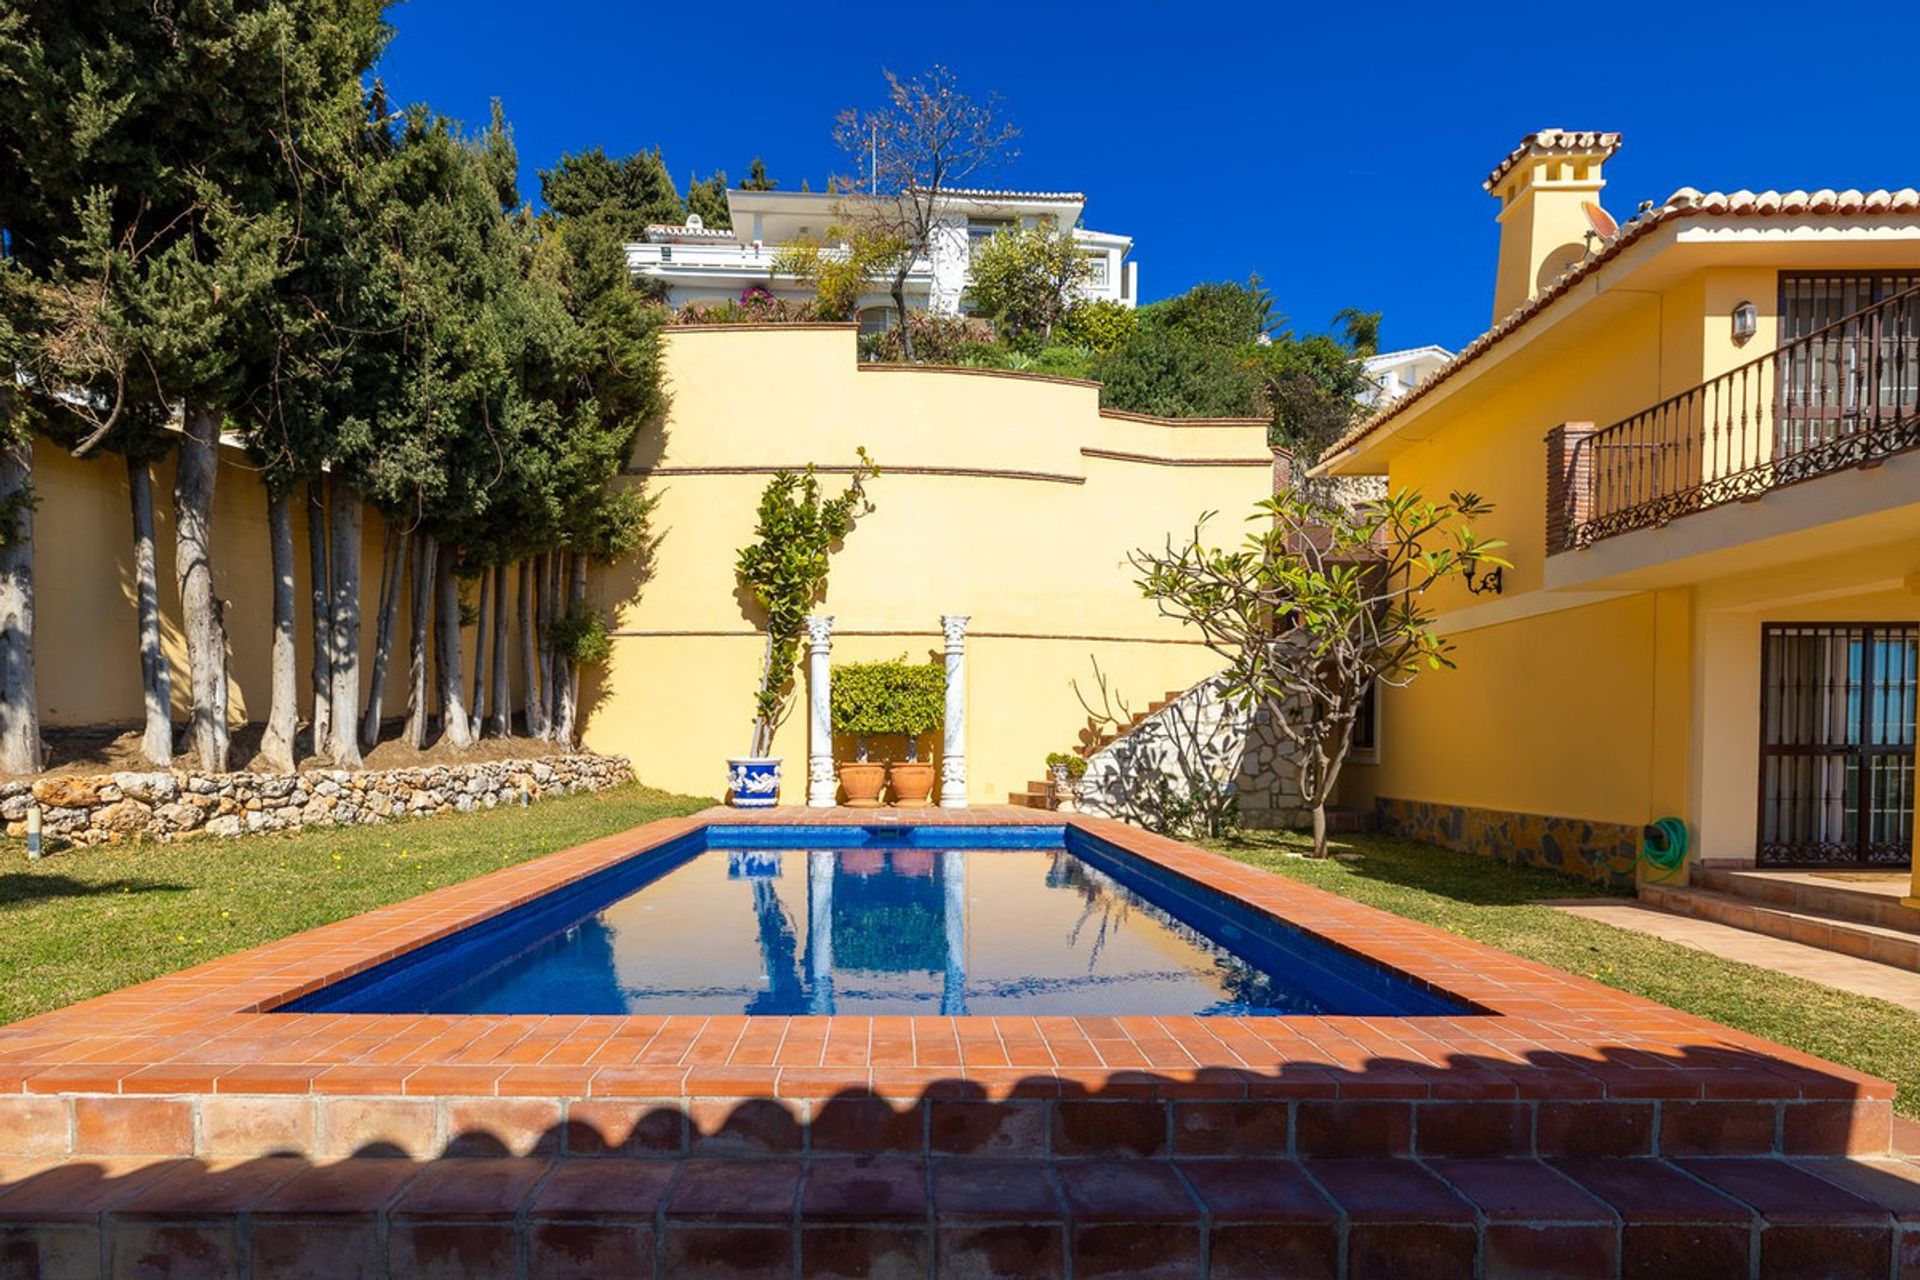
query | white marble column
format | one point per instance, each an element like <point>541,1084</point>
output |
<point>820,865</point>
<point>953,762</point>
<point>953,884</point>
<point>822,787</point>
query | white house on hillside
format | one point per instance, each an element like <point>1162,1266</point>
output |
<point>707,264</point>
<point>1394,373</point>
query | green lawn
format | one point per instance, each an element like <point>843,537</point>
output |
<point>1493,902</point>
<point>91,920</point>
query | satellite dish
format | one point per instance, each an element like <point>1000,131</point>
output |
<point>1600,220</point>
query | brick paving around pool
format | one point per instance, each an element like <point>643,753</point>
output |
<point>1562,1119</point>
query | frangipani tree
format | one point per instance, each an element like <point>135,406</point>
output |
<point>1318,603</point>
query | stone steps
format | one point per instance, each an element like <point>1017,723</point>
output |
<point>1039,795</point>
<point>1828,898</point>
<point>511,1217</point>
<point>1897,947</point>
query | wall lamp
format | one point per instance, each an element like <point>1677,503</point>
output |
<point>1746,323</point>
<point>1487,580</point>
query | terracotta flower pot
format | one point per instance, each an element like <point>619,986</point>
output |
<point>863,783</point>
<point>912,782</point>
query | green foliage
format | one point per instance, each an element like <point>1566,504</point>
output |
<point>1025,278</point>
<point>630,194</point>
<point>1318,603</point>
<point>1219,350</point>
<point>1201,809</point>
<point>757,179</point>
<point>1099,326</point>
<point>854,255</point>
<point>1075,762</point>
<point>708,198</point>
<point>1167,370</point>
<point>785,570</point>
<point>151,158</point>
<point>581,636</point>
<point>759,307</point>
<point>893,696</point>
<point>919,702</point>
<point>936,339</point>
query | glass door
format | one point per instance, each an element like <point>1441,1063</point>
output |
<point>1837,743</point>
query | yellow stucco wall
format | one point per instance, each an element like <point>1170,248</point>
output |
<point>86,650</point>
<point>1581,701</point>
<point>988,505</point>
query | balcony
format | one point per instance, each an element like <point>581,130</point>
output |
<point>1843,397</point>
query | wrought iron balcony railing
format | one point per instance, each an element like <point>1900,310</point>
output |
<point>1844,396</point>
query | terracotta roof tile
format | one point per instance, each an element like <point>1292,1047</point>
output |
<point>1553,142</point>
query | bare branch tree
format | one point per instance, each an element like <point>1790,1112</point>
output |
<point>928,139</point>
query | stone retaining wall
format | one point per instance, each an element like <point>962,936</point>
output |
<point>179,804</point>
<point>1197,744</point>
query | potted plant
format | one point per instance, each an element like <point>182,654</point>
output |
<point>917,706</point>
<point>1066,768</point>
<point>860,693</point>
<point>785,570</point>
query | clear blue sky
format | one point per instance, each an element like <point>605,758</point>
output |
<point>1335,149</point>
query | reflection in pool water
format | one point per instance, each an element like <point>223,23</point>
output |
<point>879,931</point>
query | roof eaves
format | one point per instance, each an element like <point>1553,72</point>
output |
<point>1684,203</point>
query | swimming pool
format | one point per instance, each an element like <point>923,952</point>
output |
<point>848,920</point>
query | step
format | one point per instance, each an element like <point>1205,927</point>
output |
<point>1200,1218</point>
<point>1029,799</point>
<point>1855,938</point>
<point>1800,891</point>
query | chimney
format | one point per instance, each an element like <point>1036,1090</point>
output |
<point>1541,186</point>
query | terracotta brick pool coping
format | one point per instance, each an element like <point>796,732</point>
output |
<point>71,1080</point>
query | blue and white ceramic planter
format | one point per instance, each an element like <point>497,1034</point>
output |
<point>753,781</point>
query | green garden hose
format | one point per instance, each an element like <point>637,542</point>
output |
<point>1663,847</point>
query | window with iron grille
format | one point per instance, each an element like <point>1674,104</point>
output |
<point>1829,386</point>
<point>1837,715</point>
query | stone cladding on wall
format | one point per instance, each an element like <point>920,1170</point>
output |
<point>1603,852</point>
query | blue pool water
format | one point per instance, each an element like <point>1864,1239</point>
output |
<point>881,920</point>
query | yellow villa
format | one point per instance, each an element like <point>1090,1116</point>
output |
<point>1699,427</point>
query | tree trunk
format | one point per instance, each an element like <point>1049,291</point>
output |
<point>426,553</point>
<point>566,674</point>
<point>454,727</point>
<point>900,307</point>
<point>156,681</point>
<point>545,575</point>
<point>200,608</point>
<point>320,587</point>
<point>343,515</point>
<point>393,571</point>
<point>278,747</point>
<point>502,702</point>
<point>1320,830</point>
<point>482,619</point>
<point>536,726</point>
<point>19,701</point>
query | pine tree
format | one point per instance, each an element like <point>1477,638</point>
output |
<point>631,193</point>
<point>757,179</point>
<point>708,198</point>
